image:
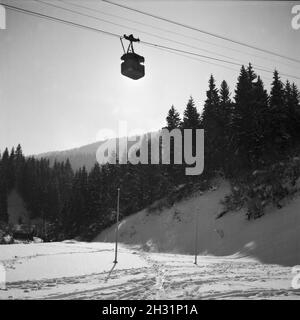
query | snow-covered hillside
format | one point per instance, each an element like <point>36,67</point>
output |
<point>273,238</point>
<point>74,270</point>
<point>237,258</point>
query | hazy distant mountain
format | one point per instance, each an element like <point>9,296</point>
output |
<point>82,156</point>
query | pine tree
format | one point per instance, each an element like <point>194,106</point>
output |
<point>225,116</point>
<point>278,115</point>
<point>246,138</point>
<point>3,195</point>
<point>211,122</point>
<point>277,92</point>
<point>243,89</point>
<point>295,95</point>
<point>8,168</point>
<point>290,108</point>
<point>191,117</point>
<point>173,171</point>
<point>260,121</point>
<point>95,194</point>
<point>251,74</point>
<point>241,114</point>
<point>294,103</point>
<point>173,119</point>
<point>19,162</point>
<point>191,120</point>
<point>224,94</point>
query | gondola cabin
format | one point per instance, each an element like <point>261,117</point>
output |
<point>133,66</point>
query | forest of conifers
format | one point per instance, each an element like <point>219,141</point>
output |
<point>248,129</point>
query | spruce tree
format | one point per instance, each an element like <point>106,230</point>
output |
<point>212,124</point>
<point>295,96</point>
<point>94,193</point>
<point>19,162</point>
<point>191,120</point>
<point>191,117</point>
<point>246,135</point>
<point>278,115</point>
<point>224,94</point>
<point>295,102</point>
<point>173,119</point>
<point>3,195</point>
<point>260,122</point>
<point>173,171</point>
<point>225,113</point>
<point>277,92</point>
<point>8,168</point>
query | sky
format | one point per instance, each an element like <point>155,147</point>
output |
<point>60,86</point>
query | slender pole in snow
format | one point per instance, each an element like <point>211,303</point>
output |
<point>196,238</point>
<point>117,227</point>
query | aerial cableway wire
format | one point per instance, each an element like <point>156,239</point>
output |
<point>137,30</point>
<point>176,33</point>
<point>67,22</point>
<point>202,31</point>
<point>258,67</point>
<point>78,25</point>
<point>212,58</point>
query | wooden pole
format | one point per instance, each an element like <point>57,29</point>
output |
<point>117,227</point>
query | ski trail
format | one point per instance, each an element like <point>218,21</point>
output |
<point>158,271</point>
<point>141,275</point>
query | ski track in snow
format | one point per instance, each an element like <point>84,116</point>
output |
<point>138,275</point>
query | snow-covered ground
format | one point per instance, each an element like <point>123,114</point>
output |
<point>273,238</point>
<point>237,258</point>
<point>77,270</point>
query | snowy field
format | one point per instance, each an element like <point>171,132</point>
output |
<point>77,270</point>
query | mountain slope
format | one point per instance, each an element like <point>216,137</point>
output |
<point>82,156</point>
<point>86,155</point>
<point>273,238</point>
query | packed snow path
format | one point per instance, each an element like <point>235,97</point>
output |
<point>77,270</point>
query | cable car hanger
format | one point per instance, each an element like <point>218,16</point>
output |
<point>132,65</point>
<point>130,38</point>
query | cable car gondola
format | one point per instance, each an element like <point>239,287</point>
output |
<point>132,65</point>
